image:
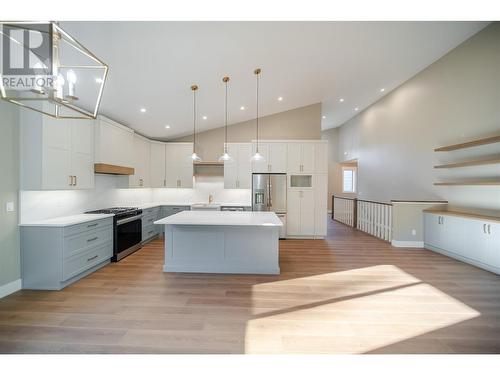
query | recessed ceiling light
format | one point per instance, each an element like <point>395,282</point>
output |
<point>323,116</point>
<point>280,98</point>
<point>143,110</point>
<point>98,80</point>
<point>204,117</point>
<point>242,108</point>
<point>382,90</point>
<point>167,126</point>
<point>341,100</point>
<point>356,109</point>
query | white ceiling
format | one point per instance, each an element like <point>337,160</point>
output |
<point>153,64</point>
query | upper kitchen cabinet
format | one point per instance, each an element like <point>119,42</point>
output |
<point>274,157</point>
<point>307,157</point>
<point>141,163</point>
<point>238,170</point>
<point>178,165</point>
<point>157,164</point>
<point>113,143</point>
<point>56,154</point>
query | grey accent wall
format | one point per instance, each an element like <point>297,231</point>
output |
<point>454,100</point>
<point>9,186</point>
<point>299,123</point>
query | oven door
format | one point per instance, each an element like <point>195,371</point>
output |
<point>128,236</point>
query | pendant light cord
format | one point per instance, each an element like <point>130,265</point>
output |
<point>225,122</point>
<point>257,72</point>
<point>194,88</point>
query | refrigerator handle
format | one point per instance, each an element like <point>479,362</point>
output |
<point>269,201</point>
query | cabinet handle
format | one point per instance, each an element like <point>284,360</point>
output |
<point>164,182</point>
<point>92,225</point>
<point>92,258</point>
<point>92,239</point>
<point>76,181</point>
<point>489,229</point>
<point>484,228</point>
<point>70,180</point>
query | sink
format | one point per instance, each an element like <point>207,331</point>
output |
<point>205,207</point>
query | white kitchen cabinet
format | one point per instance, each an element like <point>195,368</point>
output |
<point>320,184</point>
<point>141,163</point>
<point>238,170</point>
<point>464,237</point>
<point>56,154</point>
<point>157,164</point>
<point>300,213</point>
<point>113,143</point>
<point>307,157</point>
<point>178,165</point>
<point>274,157</point>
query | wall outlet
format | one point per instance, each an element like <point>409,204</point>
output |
<point>413,232</point>
<point>9,206</point>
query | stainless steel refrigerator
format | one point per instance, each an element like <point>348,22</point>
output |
<point>269,194</point>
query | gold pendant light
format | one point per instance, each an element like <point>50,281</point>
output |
<point>194,156</point>
<point>257,156</point>
<point>225,156</point>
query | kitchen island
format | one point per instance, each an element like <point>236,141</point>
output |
<point>222,242</point>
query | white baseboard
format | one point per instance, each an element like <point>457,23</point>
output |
<point>418,244</point>
<point>10,288</point>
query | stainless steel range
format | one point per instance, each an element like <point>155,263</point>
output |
<point>127,235</point>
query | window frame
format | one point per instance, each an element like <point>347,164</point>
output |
<point>354,180</point>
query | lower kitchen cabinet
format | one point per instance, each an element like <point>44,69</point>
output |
<point>53,257</point>
<point>149,229</point>
<point>470,239</point>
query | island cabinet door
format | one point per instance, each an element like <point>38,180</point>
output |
<point>494,244</point>
<point>157,165</point>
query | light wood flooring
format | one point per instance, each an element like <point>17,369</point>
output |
<point>350,293</point>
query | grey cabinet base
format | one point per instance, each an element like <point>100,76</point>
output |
<point>61,285</point>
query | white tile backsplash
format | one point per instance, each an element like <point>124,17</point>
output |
<point>38,205</point>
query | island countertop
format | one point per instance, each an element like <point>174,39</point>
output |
<point>225,218</point>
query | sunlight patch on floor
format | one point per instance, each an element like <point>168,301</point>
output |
<point>360,315</point>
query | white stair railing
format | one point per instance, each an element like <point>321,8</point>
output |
<point>343,210</point>
<point>375,218</point>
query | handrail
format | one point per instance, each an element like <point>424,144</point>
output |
<point>351,199</point>
<point>363,200</point>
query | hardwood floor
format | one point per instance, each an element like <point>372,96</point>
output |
<point>350,293</point>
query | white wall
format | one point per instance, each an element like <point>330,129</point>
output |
<point>454,100</point>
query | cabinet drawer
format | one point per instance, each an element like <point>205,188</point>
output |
<point>82,262</point>
<point>151,211</point>
<point>149,220</point>
<point>80,243</point>
<point>91,225</point>
<point>149,231</point>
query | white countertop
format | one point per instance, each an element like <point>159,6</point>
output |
<point>65,221</point>
<point>225,218</point>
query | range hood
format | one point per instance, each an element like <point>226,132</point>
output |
<point>208,168</point>
<point>113,169</point>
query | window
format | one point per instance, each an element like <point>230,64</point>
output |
<point>348,180</point>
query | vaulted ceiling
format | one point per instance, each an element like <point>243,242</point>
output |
<point>343,65</point>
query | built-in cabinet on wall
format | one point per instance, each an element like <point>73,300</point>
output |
<point>141,162</point>
<point>300,212</point>
<point>307,157</point>
<point>238,170</point>
<point>171,165</point>
<point>56,154</point>
<point>113,143</point>
<point>465,237</point>
<point>274,156</point>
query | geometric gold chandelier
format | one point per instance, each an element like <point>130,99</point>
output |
<point>45,69</point>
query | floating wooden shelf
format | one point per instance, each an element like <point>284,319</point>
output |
<point>113,169</point>
<point>468,183</point>
<point>477,142</point>
<point>469,163</point>
<point>208,163</point>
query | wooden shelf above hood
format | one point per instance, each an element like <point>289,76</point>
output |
<point>113,169</point>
